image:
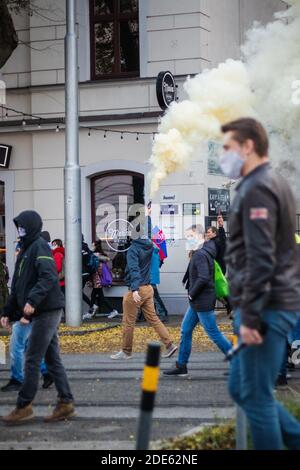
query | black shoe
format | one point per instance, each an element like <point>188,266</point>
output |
<point>12,386</point>
<point>281,381</point>
<point>178,371</point>
<point>47,381</point>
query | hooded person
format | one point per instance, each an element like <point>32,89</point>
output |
<point>202,299</point>
<point>140,292</point>
<point>35,292</point>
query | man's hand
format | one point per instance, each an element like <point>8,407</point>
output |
<point>24,321</point>
<point>220,221</point>
<point>136,296</point>
<point>250,336</point>
<point>28,309</point>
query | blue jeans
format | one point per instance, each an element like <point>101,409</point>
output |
<point>18,343</point>
<point>208,322</point>
<point>252,380</point>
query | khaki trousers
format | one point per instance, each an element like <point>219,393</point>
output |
<point>130,314</point>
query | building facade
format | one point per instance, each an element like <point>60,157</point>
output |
<point>123,46</point>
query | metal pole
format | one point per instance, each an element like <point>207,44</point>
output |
<point>73,242</point>
<point>149,389</point>
<point>241,430</point>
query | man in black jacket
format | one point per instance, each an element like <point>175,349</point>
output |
<point>36,293</point>
<point>264,277</point>
<point>202,299</point>
<point>218,235</point>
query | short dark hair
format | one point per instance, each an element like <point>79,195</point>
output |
<point>58,242</point>
<point>213,229</point>
<point>248,128</point>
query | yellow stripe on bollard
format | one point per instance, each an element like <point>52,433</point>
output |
<point>150,379</point>
<point>235,340</point>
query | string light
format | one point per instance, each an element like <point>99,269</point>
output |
<point>26,117</point>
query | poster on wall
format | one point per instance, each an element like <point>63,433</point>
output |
<point>218,202</point>
<point>214,149</point>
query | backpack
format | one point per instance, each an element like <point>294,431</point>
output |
<point>106,276</point>
<point>93,263</point>
<point>221,283</point>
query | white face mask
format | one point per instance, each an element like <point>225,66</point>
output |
<point>193,244</point>
<point>22,232</point>
<point>231,164</point>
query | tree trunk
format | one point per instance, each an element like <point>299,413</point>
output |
<point>8,35</point>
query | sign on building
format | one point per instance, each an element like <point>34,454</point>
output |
<point>166,89</point>
<point>218,202</point>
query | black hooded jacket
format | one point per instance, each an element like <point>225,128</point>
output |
<point>35,279</point>
<point>201,284</point>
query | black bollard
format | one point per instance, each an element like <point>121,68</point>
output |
<point>149,389</point>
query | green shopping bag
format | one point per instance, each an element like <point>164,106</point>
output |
<point>221,283</point>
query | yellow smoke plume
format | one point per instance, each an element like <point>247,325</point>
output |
<point>259,85</point>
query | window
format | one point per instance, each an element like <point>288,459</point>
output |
<point>114,38</point>
<point>112,196</point>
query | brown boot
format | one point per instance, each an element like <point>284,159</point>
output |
<point>61,412</point>
<point>19,416</point>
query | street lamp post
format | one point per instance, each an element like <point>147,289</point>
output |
<point>72,177</point>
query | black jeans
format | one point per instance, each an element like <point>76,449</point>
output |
<point>99,299</point>
<point>159,304</point>
<point>43,342</point>
<point>84,296</point>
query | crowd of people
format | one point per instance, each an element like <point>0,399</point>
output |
<point>261,260</point>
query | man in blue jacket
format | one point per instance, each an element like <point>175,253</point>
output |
<point>36,293</point>
<point>140,294</point>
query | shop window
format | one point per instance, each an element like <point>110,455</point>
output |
<point>114,38</point>
<point>114,198</point>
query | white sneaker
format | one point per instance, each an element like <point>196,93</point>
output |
<point>120,356</point>
<point>113,314</point>
<point>87,316</point>
<point>170,351</point>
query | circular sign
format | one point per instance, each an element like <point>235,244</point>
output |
<point>118,232</point>
<point>166,89</point>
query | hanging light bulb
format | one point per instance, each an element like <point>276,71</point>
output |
<point>89,133</point>
<point>24,122</point>
<point>137,137</point>
<point>57,128</point>
<point>122,136</point>
<point>39,126</point>
<point>105,134</point>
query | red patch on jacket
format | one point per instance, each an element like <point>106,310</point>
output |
<point>259,213</point>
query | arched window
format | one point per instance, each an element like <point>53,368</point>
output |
<point>113,195</point>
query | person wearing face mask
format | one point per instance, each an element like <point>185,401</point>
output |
<point>36,296</point>
<point>200,285</point>
<point>264,276</point>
